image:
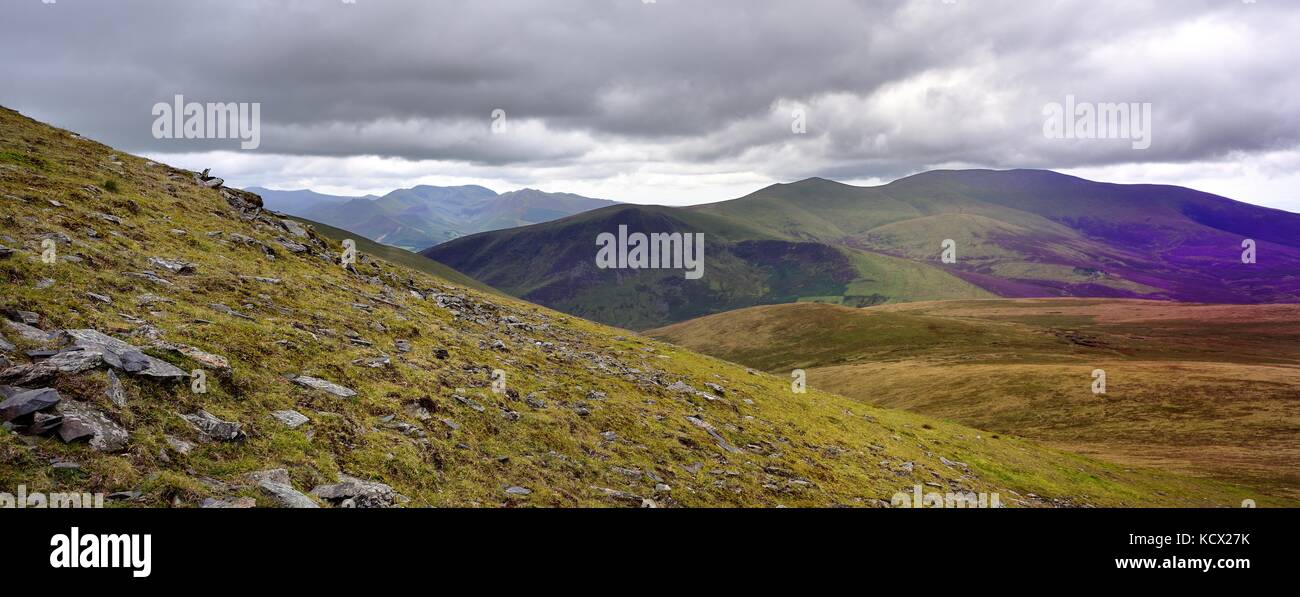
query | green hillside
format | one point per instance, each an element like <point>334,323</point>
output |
<point>373,386</point>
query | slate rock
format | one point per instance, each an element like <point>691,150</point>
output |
<point>285,495</point>
<point>43,423</point>
<point>84,422</point>
<point>178,445</point>
<point>294,228</point>
<point>717,437</point>
<point>123,356</point>
<point>324,386</point>
<point>26,402</point>
<point>207,359</point>
<point>243,503</point>
<point>174,266</point>
<point>213,428</point>
<point>115,392</point>
<point>356,493</point>
<point>291,418</point>
<point>69,362</point>
<point>29,333</point>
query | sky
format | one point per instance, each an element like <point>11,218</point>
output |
<point>674,101</point>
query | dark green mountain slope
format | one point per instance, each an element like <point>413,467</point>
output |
<point>1019,233</point>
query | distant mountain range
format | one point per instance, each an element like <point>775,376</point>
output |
<point>1018,233</point>
<point>424,216</point>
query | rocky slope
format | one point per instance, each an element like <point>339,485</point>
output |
<point>184,347</point>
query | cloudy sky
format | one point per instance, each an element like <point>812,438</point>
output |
<point>672,101</point>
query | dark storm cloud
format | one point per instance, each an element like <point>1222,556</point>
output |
<point>887,87</point>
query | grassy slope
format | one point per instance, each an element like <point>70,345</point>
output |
<point>1204,389</point>
<point>799,450</point>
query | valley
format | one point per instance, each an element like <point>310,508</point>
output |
<point>1203,389</point>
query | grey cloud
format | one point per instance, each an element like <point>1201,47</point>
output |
<point>675,81</point>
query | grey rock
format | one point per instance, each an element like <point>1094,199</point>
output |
<point>84,422</point>
<point>953,463</point>
<point>107,300</point>
<point>272,281</point>
<point>357,493</point>
<point>275,475</point>
<point>6,252</point>
<point>26,402</point>
<point>174,266</point>
<point>293,247</point>
<point>291,418</point>
<point>123,356</point>
<point>285,495</point>
<point>108,218</point>
<point>213,428</point>
<point>518,491</point>
<point>243,503</point>
<point>178,445</point>
<point>470,403</point>
<point>149,276</point>
<point>220,308</point>
<point>115,392</point>
<point>294,228</point>
<point>148,299</point>
<point>29,333</point>
<point>202,357</point>
<point>70,362</point>
<point>43,423</point>
<point>324,386</point>
<point>681,387</point>
<point>717,437</point>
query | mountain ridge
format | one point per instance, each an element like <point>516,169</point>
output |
<point>418,217</point>
<point>1016,234</point>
